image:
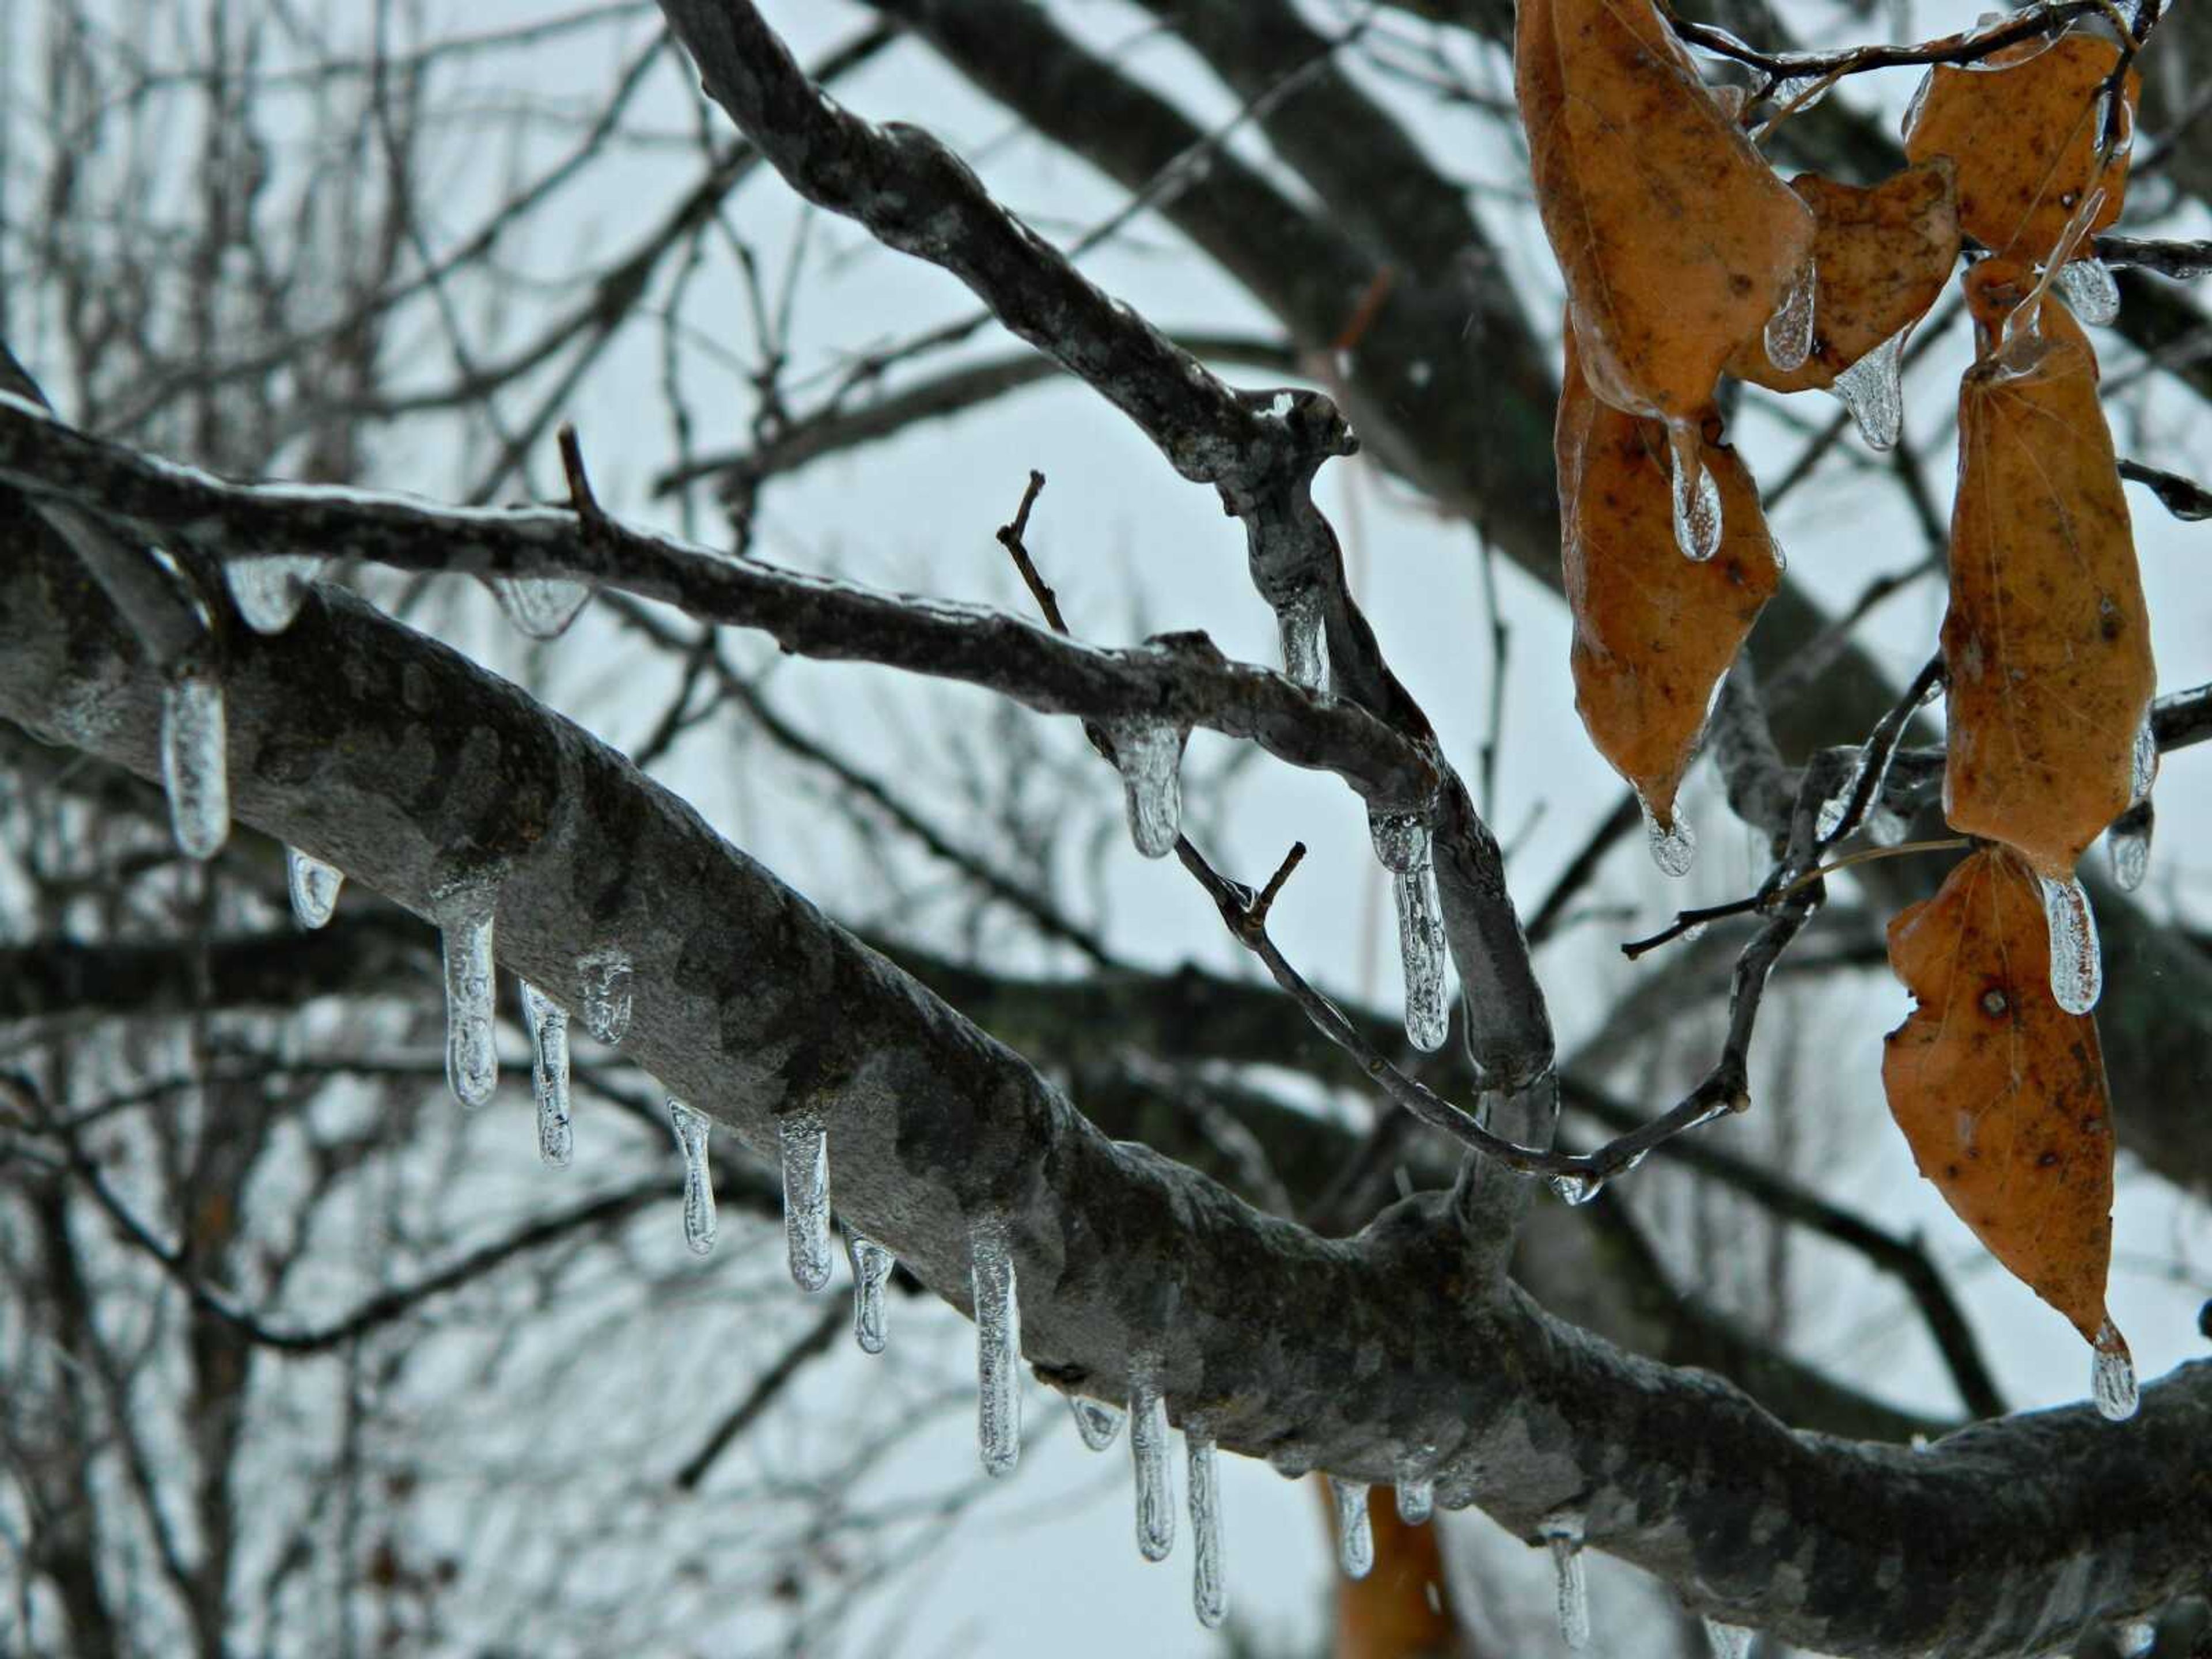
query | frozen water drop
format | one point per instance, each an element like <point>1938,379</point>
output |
<point>1886,827</point>
<point>1697,497</point>
<point>1421,951</point>
<point>1148,753</point>
<point>547,1022</point>
<point>1810,88</point>
<point>1209,1584</point>
<point>1873,389</point>
<point>2112,1376</point>
<point>1727,1641</point>
<point>1096,1422</point>
<point>195,764</point>
<point>1355,1536</point>
<point>1298,620</point>
<point>1417,1499</point>
<point>2077,970</point>
<point>1577,1188</point>
<point>2128,844</point>
<point>269,592</point>
<point>465,917</point>
<point>805,1146</point>
<point>1564,1532</point>
<point>871,1272</point>
<point>605,974</point>
<point>1148,1456</point>
<point>691,1129</point>
<point>2089,291</point>
<point>541,607</point>
<point>1789,329</point>
<point>998,1347</point>
<point>2134,1639</point>
<point>1674,846</point>
<point>1401,840</point>
<point>2143,764</point>
<point>313,886</point>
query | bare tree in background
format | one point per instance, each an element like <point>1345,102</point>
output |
<point>299,1356</point>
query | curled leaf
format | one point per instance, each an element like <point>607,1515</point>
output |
<point>2026,131</point>
<point>2047,641</point>
<point>1654,631</point>
<point>2000,1092</point>
<point>1676,240</point>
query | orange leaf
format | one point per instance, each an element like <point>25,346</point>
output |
<point>2025,132</point>
<point>2047,643</point>
<point>2000,1092</point>
<point>1676,240</point>
<point>1654,631</point>
<point>1880,256</point>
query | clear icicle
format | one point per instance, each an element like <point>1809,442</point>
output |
<point>691,1131</point>
<point>1417,1499</point>
<point>1789,329</point>
<point>1873,389</point>
<point>1727,1641</point>
<point>1578,1189</point>
<point>2112,1376</point>
<point>605,974</point>
<point>998,1347</point>
<point>2128,844</point>
<point>1149,753</point>
<point>541,607</point>
<point>2089,291</point>
<point>1096,1422</point>
<point>872,1271</point>
<point>547,1024</point>
<point>2077,969</point>
<point>1421,951</point>
<point>1209,1584</point>
<point>805,1150</point>
<point>1148,1456</point>
<point>269,592</point>
<point>1674,847</point>
<point>1355,1536</point>
<point>1298,619</point>
<point>2134,1639</point>
<point>195,763</point>
<point>1564,1532</point>
<point>1697,497</point>
<point>314,886</point>
<point>464,915</point>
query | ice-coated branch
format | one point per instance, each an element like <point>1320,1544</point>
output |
<point>2182,261</point>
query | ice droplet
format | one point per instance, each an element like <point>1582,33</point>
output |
<point>1789,329</point>
<point>541,607</point>
<point>1674,846</point>
<point>692,1130</point>
<point>1811,88</point>
<point>1209,1585</point>
<point>872,1271</point>
<point>2143,764</point>
<point>1885,827</point>
<point>2134,1639</point>
<point>1697,497</point>
<point>1727,1641</point>
<point>1421,952</point>
<point>2128,844</point>
<point>269,592</point>
<point>1873,389</point>
<point>1355,1536</point>
<point>464,915</point>
<point>1148,753</point>
<point>1578,1189</point>
<point>1096,1422</point>
<point>1417,1499</point>
<point>605,974</point>
<point>1298,620</point>
<point>2089,291</point>
<point>2112,1376</point>
<point>998,1347</point>
<point>1148,1456</point>
<point>313,886</point>
<point>547,1021</point>
<point>1564,1532</point>
<point>1401,840</point>
<point>195,763</point>
<point>805,1145</point>
<point>2077,969</point>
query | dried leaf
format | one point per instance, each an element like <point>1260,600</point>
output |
<point>2025,131</point>
<point>2000,1092</point>
<point>1676,240</point>
<point>1881,257</point>
<point>2047,643</point>
<point>1654,631</point>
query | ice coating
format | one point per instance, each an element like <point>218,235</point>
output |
<point>1789,336</point>
<point>2112,1376</point>
<point>1148,1456</point>
<point>691,1129</point>
<point>2134,1639</point>
<point>1564,1534</point>
<point>547,1022</point>
<point>1873,389</point>
<point>1577,1188</point>
<point>195,768</point>
<point>998,1347</point>
<point>1355,1536</point>
<point>540,606</point>
<point>1149,754</point>
<point>1674,846</point>
<point>269,592</point>
<point>1421,952</point>
<point>313,886</point>
<point>2143,761</point>
<point>2077,969</point>
<point>605,974</point>
<point>2090,293</point>
<point>1209,1587</point>
<point>1727,1641</point>
<point>465,917</point>
<point>871,1272</point>
<point>1096,1422</point>
<point>1298,620</point>
<point>2128,844</point>
<point>1417,1499</point>
<point>805,1145</point>
<point>1697,496</point>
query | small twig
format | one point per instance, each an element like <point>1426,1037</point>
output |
<point>1691,921</point>
<point>1876,753</point>
<point>1872,854</point>
<point>1255,916</point>
<point>1968,46</point>
<point>589,516</point>
<point>2185,498</point>
<point>1010,537</point>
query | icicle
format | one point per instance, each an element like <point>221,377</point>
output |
<point>547,1024</point>
<point>1209,1587</point>
<point>1417,1499</point>
<point>1674,846</point>
<point>1727,1641</point>
<point>195,763</point>
<point>2128,844</point>
<point>1148,1455</point>
<point>2089,291</point>
<point>605,974</point>
<point>464,913</point>
<point>1697,497</point>
<point>692,1129</point>
<point>1421,952</point>
<point>998,1347</point>
<point>1789,329</point>
<point>541,607</point>
<point>1873,389</point>
<point>872,1271</point>
<point>1095,1421</point>
<point>2134,1639</point>
<point>2077,969</point>
<point>806,1149</point>
<point>2112,1376</point>
<point>1298,620</point>
<point>1355,1537</point>
<point>269,592</point>
<point>1564,1532</point>
<point>1148,753</point>
<point>1578,1189</point>
<point>1833,809</point>
<point>2142,763</point>
<point>314,887</point>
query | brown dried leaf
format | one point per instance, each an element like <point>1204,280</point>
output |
<point>1676,240</point>
<point>2047,643</point>
<point>2000,1092</point>
<point>1654,631</point>
<point>2024,134</point>
<point>1881,257</point>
